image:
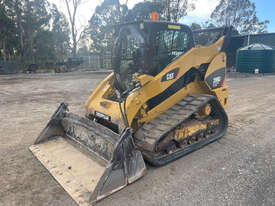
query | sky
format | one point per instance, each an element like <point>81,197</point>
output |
<point>86,9</point>
<point>202,11</point>
<point>265,11</point>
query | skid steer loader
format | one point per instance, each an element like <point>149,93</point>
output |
<point>164,99</point>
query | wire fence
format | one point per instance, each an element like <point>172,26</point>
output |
<point>9,67</point>
<point>104,62</point>
<point>97,62</point>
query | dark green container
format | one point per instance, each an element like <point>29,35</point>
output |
<point>256,56</point>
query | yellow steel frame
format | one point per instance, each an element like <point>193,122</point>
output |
<point>152,86</point>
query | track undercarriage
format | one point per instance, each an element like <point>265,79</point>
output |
<point>189,125</point>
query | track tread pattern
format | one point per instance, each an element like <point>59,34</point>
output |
<point>166,122</point>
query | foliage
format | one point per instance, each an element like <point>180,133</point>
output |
<point>32,31</point>
<point>35,17</point>
<point>108,14</point>
<point>143,11</point>
<point>241,14</point>
<point>7,33</point>
<point>72,7</point>
<point>111,13</point>
<point>61,34</point>
<point>204,38</point>
<point>174,10</point>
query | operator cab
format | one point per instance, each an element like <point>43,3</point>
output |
<point>147,47</point>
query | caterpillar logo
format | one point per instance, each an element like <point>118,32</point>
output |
<point>170,75</point>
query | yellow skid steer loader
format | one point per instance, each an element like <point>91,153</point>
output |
<point>164,99</point>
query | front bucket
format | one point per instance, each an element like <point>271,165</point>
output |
<point>87,159</point>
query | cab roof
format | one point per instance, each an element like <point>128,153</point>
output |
<point>159,25</point>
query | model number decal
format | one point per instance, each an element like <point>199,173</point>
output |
<point>216,81</point>
<point>102,116</point>
<point>170,75</point>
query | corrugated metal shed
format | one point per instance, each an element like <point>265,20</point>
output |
<point>256,57</point>
<point>243,40</point>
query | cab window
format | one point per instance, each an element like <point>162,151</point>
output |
<point>169,44</point>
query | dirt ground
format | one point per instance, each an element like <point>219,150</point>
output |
<point>237,170</point>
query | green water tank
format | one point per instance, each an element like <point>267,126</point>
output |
<point>256,57</point>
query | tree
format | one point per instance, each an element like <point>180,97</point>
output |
<point>7,33</point>
<point>143,10</point>
<point>101,29</point>
<point>35,19</point>
<point>32,31</point>
<point>83,51</point>
<point>111,12</point>
<point>241,14</point>
<point>204,38</point>
<point>174,10</point>
<point>61,34</point>
<point>72,8</point>
<point>53,43</point>
<point>195,26</point>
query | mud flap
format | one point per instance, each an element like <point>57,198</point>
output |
<point>87,159</point>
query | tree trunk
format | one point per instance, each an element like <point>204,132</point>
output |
<point>72,14</point>
<point>168,11</point>
<point>101,59</point>
<point>74,41</point>
<point>4,50</point>
<point>20,27</point>
<point>32,50</point>
<point>177,12</point>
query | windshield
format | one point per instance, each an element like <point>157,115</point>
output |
<point>129,54</point>
<point>147,50</point>
<point>130,46</point>
<point>169,44</point>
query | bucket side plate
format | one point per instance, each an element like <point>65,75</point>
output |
<point>87,159</point>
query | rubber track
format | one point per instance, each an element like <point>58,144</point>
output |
<point>159,127</point>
